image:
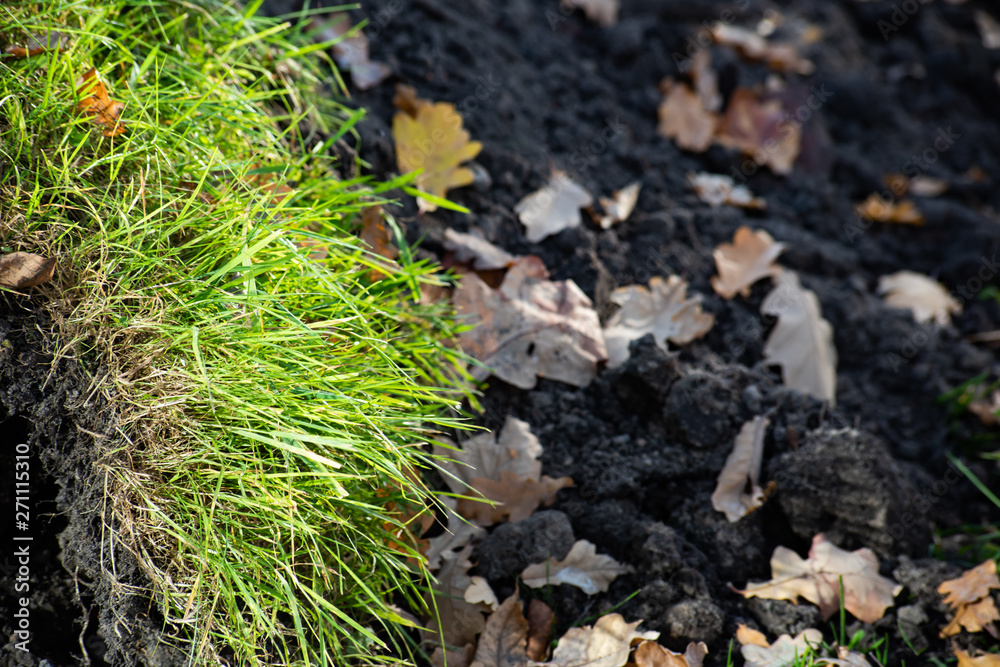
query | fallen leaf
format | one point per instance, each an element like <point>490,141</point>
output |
<point>970,600</point>
<point>457,622</point>
<point>460,658</point>
<point>36,46</point>
<point>923,296</point>
<point>553,208</point>
<point>582,567</point>
<point>760,128</point>
<point>541,621</point>
<point>514,496</point>
<point>516,450</point>
<point>784,652</point>
<point>750,45</point>
<point>21,270</point>
<point>351,53</point>
<point>986,660</point>
<point>605,644</point>
<point>879,210</point>
<point>989,29</point>
<point>705,80</point>
<point>457,533</point>
<point>530,327</point>
<point>802,341</point>
<point>601,12</point>
<point>432,139</point>
<point>987,409</point>
<point>95,102</point>
<point>663,310</point>
<point>718,189</point>
<point>846,658</point>
<point>746,635</point>
<point>685,118</point>
<point>737,492</point>
<point>378,235</point>
<point>866,593</point>
<point>620,205</point>
<point>921,186</point>
<point>743,262</point>
<point>504,641</point>
<point>480,592</point>
<point>651,654</point>
<point>477,251</point>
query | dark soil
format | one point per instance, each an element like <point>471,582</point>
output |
<point>645,442</point>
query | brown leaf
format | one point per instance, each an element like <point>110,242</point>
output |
<point>921,186</point>
<point>846,658</point>
<point>432,139</point>
<point>504,641</point>
<point>759,127</point>
<point>378,235</point>
<point>541,622</point>
<point>487,455</point>
<point>743,262</point>
<point>458,622</point>
<point>986,660</point>
<point>601,12</point>
<point>738,492</point>
<point>619,206</point>
<point>706,82</point>
<point>879,210</point>
<point>663,310</point>
<point>553,208</point>
<point>923,296</point>
<point>750,45</point>
<point>582,567</point>
<point>605,644</point>
<point>351,53</point>
<point>21,270</point>
<point>969,598</point>
<point>530,327</point>
<point>514,496</point>
<point>96,102</point>
<point>987,408</point>
<point>35,46</point>
<point>973,617</point>
<point>458,533</point>
<point>460,658</point>
<point>718,189</point>
<point>480,592</point>
<point>478,252</point>
<point>802,341</point>
<point>685,118</point>
<point>746,635</point>
<point>651,654</point>
<point>784,652</point>
<point>866,593</point>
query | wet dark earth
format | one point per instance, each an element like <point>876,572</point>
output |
<point>893,91</point>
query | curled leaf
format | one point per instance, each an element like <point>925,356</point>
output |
<point>21,270</point>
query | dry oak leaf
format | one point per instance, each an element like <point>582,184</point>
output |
<point>601,12</point>
<point>920,186</point>
<point>457,533</point>
<point>432,139</point>
<point>785,650</point>
<point>969,598</point>
<point>582,567</point>
<point>553,208</point>
<point>743,262</point>
<point>759,127</point>
<point>530,327</point>
<point>541,621</point>
<point>459,622</point>
<point>986,660</point>
<point>651,654</point>
<point>480,592</point>
<point>351,53</point>
<point>476,251</point>
<point>460,658</point>
<point>866,593</point>
<point>619,206</point>
<point>21,270</point>
<point>718,189</point>
<point>750,45</point>
<point>605,644</point>
<point>877,209</point>
<point>846,658</point>
<point>378,235</point>
<point>35,46</point>
<point>663,310</point>
<point>513,496</point>
<point>95,102</point>
<point>504,641</point>
<point>923,296</point>
<point>738,492</point>
<point>685,117</point>
<point>746,635</point>
<point>802,341</point>
<point>516,449</point>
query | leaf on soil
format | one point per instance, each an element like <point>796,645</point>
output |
<point>784,651</point>
<point>504,641</point>
<point>605,644</point>
<point>21,270</point>
<point>601,12</point>
<point>970,600</point>
<point>351,53</point>
<point>902,212</point>
<point>36,46</point>
<point>480,592</point>
<point>663,310</point>
<point>456,535</point>
<point>620,205</point>
<point>541,622</point>
<point>95,102</point>
<point>986,660</point>
<point>460,658</point>
<point>987,409</point>
<point>514,496</point>
<point>737,492</point>
<point>487,455</point>
<point>378,235</point>
<point>530,327</point>
<point>718,189</point>
<point>582,567</point>
<point>429,136</point>
<point>685,117</point>
<point>651,654</point>
<point>923,296</point>
<point>705,80</point>
<point>476,251</point>
<point>845,658</point>
<point>750,45</point>
<point>459,621</point>
<point>866,593</point>
<point>989,29</point>
<point>746,635</point>
<point>920,186</point>
<point>802,341</point>
<point>759,127</point>
<point>553,208</point>
<point>743,262</point>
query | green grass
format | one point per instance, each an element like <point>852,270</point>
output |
<point>270,405</point>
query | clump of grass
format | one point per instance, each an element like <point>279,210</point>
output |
<point>272,400</point>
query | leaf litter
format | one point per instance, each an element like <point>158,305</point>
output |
<point>582,567</point>
<point>737,491</point>
<point>970,600</point>
<point>553,208</point>
<point>923,296</point>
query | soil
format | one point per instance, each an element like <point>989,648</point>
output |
<point>645,442</point>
